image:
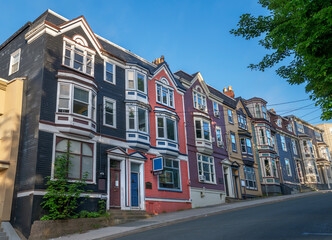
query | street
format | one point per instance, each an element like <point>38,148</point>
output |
<point>301,218</point>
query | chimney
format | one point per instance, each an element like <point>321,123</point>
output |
<point>272,110</point>
<point>157,61</point>
<point>229,92</point>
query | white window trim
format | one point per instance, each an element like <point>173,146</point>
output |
<point>12,59</point>
<point>136,71</point>
<point>72,56</point>
<point>71,99</point>
<point>135,107</point>
<point>289,173</point>
<point>283,146</point>
<point>169,88</point>
<point>247,179</point>
<point>245,145</point>
<point>203,120</point>
<point>106,99</point>
<point>197,104</point>
<point>216,112</point>
<point>165,128</point>
<point>300,129</point>
<point>214,169</point>
<point>114,71</point>
<point>240,117</point>
<point>232,116</point>
<point>232,133</point>
<point>294,147</point>
<point>219,143</point>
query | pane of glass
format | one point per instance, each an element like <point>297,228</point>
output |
<point>175,164</point>
<point>168,163</point>
<point>87,167</point>
<point>75,147</point>
<point>160,127</point>
<point>87,150</point>
<point>170,129</point>
<point>81,95</point>
<point>207,176</point>
<point>109,76</point>
<point>171,98</point>
<point>205,158</point>
<point>158,93</point>
<point>81,108</point>
<point>78,50</point>
<point>141,120</point>
<point>206,127</point>
<point>140,82</point>
<point>78,58</point>
<point>67,53</point>
<point>64,90</point>
<point>74,167</point>
<point>62,146</point>
<point>109,67</point>
<point>165,95</point>
<point>67,61</point>
<point>64,103</point>
<point>131,118</point>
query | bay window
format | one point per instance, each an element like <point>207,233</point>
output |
<point>170,178</point>
<point>206,169</point>
<point>294,146</point>
<point>166,128</point>
<point>136,80</point>
<point>300,127</point>
<point>81,158</point>
<point>262,136</point>
<point>258,111</point>
<point>202,129</point>
<point>246,145</point>
<point>165,95</point>
<point>250,177</point>
<point>264,111</point>
<point>267,168</point>
<point>137,118</point>
<point>269,139</point>
<point>77,100</point>
<point>200,101</point>
<point>78,56</point>
<point>242,121</point>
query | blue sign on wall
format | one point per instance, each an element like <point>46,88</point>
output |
<point>158,164</point>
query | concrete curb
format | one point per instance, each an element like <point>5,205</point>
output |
<point>177,217</point>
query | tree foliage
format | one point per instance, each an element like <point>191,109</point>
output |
<point>300,32</point>
<point>63,197</point>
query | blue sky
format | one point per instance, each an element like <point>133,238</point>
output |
<point>192,35</point>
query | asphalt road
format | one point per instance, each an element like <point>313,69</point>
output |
<point>301,218</point>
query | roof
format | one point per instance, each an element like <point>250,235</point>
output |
<point>184,76</point>
<point>226,99</point>
<point>240,99</point>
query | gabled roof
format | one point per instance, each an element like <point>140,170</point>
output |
<point>240,99</point>
<point>185,76</point>
<point>226,99</point>
<point>175,80</point>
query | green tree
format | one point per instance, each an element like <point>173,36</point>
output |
<point>63,196</point>
<point>299,32</point>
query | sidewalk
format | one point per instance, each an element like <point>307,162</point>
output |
<point>174,217</point>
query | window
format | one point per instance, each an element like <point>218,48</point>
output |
<point>288,167</point>
<point>137,119</point>
<point>249,147</point>
<point>311,148</point>
<point>278,122</point>
<point>81,157</point>
<point>199,101</point>
<point>216,109</point>
<point>289,127</point>
<point>318,136</point>
<point>283,143</point>
<point>300,128</point>
<point>170,178</point>
<point>274,168</point>
<point>233,140</point>
<point>264,111</point>
<point>166,128</point>
<point>136,81</point>
<point>262,136</point>
<point>109,112</point>
<point>220,143</point>
<point>14,61</point>
<point>206,169</point>
<point>294,146</point>
<point>77,100</point>
<point>269,139</point>
<point>243,145</point>
<point>258,111</point>
<point>78,57</point>
<point>109,73</point>
<point>165,95</point>
<point>230,116</point>
<point>202,129</point>
<point>267,168</point>
<point>306,147</point>
<point>242,121</point>
<point>250,176</point>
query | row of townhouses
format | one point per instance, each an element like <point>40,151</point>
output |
<point>147,138</point>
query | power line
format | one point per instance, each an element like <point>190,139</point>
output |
<point>309,113</point>
<point>276,104</point>
<point>312,119</point>
<point>296,109</point>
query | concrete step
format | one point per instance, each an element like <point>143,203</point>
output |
<point>3,236</point>
<point>231,200</point>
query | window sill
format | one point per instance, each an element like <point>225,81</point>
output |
<point>169,190</point>
<point>78,71</point>
<point>165,105</point>
<point>211,183</point>
<point>109,126</point>
<point>113,83</point>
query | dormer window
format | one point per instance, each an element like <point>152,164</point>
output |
<point>318,136</point>
<point>136,80</point>
<point>165,94</point>
<point>278,122</point>
<point>258,111</point>
<point>77,55</point>
<point>264,111</point>
<point>14,61</point>
<point>199,101</point>
<point>300,128</point>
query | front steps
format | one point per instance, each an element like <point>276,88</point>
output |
<point>123,216</point>
<point>3,235</point>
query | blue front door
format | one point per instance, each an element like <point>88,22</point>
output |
<point>134,189</point>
